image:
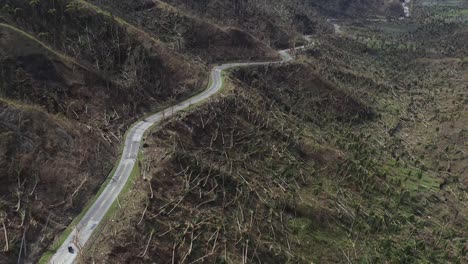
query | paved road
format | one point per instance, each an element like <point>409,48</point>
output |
<point>83,231</point>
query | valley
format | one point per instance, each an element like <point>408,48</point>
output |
<point>352,151</point>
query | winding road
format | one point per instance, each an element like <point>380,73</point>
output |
<point>77,239</point>
<point>82,232</point>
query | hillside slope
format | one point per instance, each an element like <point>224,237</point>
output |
<point>288,166</point>
<point>189,34</point>
<point>224,179</point>
<point>353,153</point>
<point>73,78</point>
<point>49,168</point>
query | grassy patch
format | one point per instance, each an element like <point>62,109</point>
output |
<point>314,241</point>
<point>411,178</point>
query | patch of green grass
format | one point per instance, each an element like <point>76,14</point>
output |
<point>300,225</point>
<point>411,178</point>
<point>458,13</point>
<point>315,241</point>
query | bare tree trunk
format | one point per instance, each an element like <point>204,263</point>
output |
<point>6,236</point>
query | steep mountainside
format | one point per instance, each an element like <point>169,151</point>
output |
<point>189,34</point>
<point>79,74</point>
<point>281,22</point>
<point>225,178</point>
<point>355,152</point>
<point>50,167</point>
<point>287,166</point>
